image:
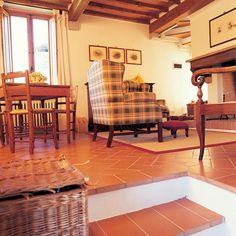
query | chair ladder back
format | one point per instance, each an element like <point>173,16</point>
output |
<point>16,91</point>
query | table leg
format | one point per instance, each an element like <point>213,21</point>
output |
<point>200,127</point>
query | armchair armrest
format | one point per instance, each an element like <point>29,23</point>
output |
<point>140,97</point>
<point>131,86</point>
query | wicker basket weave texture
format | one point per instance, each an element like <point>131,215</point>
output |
<point>42,197</point>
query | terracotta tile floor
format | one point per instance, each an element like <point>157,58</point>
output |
<point>123,166</point>
<point>163,220</point>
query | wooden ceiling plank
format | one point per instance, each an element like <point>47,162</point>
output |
<point>183,23</point>
<point>41,4</point>
<point>125,10</point>
<point>179,35</point>
<point>173,16</point>
<point>118,13</point>
<point>178,30</point>
<point>186,41</point>
<point>77,8</point>
<point>128,6</point>
<point>112,16</point>
<point>143,4</point>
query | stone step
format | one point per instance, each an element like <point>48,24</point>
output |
<point>180,217</point>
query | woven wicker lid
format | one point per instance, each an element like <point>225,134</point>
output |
<point>30,176</point>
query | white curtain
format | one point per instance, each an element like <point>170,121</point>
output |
<point>64,72</point>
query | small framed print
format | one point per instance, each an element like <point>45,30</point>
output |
<point>97,52</point>
<point>133,57</point>
<point>222,28</point>
<point>116,54</point>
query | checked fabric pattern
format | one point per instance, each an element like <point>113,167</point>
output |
<point>131,86</point>
<point>112,104</point>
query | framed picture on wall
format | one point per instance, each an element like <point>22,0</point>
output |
<point>222,28</point>
<point>97,52</point>
<point>133,57</point>
<point>116,54</point>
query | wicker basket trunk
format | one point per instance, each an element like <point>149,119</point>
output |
<point>51,199</point>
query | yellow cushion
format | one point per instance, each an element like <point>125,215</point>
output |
<point>138,79</point>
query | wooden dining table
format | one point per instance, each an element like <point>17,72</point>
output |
<point>43,92</point>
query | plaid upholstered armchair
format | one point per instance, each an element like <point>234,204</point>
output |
<point>118,103</point>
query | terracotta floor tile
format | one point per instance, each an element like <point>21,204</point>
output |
<point>107,167</point>
<point>95,230</point>
<point>188,220</point>
<point>123,164</point>
<point>158,220</point>
<point>211,216</point>
<point>209,172</point>
<point>120,225</point>
<point>134,178</point>
<point>229,180</point>
<point>109,183</point>
<point>154,224</point>
<point>222,163</point>
<point>146,160</point>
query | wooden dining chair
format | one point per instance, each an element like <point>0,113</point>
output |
<point>61,110</point>
<point>24,122</point>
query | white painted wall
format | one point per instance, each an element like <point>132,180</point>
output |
<point>200,26</point>
<point>174,85</point>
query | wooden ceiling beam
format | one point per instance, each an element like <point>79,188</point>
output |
<point>124,10</point>
<point>186,8</point>
<point>40,4</point>
<point>77,8</point>
<point>112,16</point>
<point>143,4</point>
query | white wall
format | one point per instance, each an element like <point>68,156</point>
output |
<point>174,85</point>
<point>200,26</point>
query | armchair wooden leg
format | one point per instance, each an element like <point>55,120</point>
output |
<point>95,131</point>
<point>110,137</point>
<point>160,132</point>
<point>149,128</point>
<point>186,132</point>
<point>135,131</point>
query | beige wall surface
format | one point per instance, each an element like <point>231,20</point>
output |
<point>158,57</point>
<point>200,26</point>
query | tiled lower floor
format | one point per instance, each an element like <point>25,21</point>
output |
<point>180,217</point>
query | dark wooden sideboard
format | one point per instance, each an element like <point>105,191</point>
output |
<point>90,114</point>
